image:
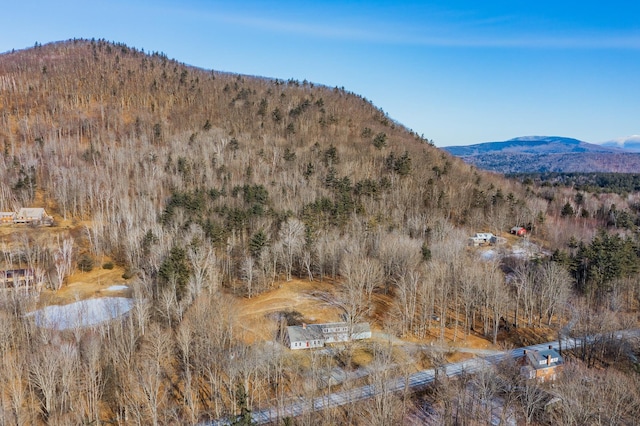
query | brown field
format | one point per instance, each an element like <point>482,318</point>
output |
<point>86,285</point>
<point>259,320</point>
<point>258,315</point>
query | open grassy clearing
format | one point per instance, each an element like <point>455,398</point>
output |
<point>259,319</point>
<point>87,285</point>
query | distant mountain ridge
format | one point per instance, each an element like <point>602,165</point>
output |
<point>531,145</point>
<point>533,154</point>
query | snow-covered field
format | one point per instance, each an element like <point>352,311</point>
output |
<point>84,313</point>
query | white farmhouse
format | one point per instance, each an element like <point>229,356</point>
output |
<point>482,238</point>
<point>307,336</point>
<point>35,215</point>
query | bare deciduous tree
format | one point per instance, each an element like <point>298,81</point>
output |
<point>360,277</point>
<point>45,376</point>
<point>203,264</point>
<point>152,370</point>
<point>247,271</point>
<point>554,281</point>
<point>63,261</point>
<point>386,407</point>
<point>291,241</point>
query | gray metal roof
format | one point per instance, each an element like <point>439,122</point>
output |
<point>31,212</point>
<point>298,333</point>
<point>538,359</point>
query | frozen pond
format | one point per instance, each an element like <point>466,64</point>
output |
<point>84,313</point>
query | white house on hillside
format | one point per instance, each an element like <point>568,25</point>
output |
<point>307,336</point>
<point>482,238</point>
<point>35,215</point>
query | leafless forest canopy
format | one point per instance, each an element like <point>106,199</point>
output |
<point>208,187</point>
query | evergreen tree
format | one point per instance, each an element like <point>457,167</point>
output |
<point>175,270</point>
<point>607,258</point>
<point>244,418</point>
<point>567,210</point>
<point>257,243</point>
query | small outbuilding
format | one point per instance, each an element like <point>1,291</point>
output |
<point>519,231</point>
<point>7,217</point>
<point>18,279</point>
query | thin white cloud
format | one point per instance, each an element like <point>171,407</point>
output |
<point>448,38</point>
<point>293,27</point>
<point>626,139</point>
<point>629,143</point>
<point>537,42</point>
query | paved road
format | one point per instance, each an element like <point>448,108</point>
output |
<point>421,379</point>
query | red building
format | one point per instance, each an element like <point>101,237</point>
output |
<point>519,231</point>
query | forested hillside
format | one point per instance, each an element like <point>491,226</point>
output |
<point>150,150</point>
<point>211,189</point>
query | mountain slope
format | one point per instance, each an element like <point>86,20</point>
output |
<point>176,132</point>
<point>532,154</point>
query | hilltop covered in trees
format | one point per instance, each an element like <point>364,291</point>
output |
<point>149,149</point>
<point>210,186</point>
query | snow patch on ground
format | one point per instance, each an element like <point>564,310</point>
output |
<point>521,252</point>
<point>489,254</point>
<point>84,313</point>
<point>117,288</point>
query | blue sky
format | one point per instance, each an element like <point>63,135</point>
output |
<point>459,72</point>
